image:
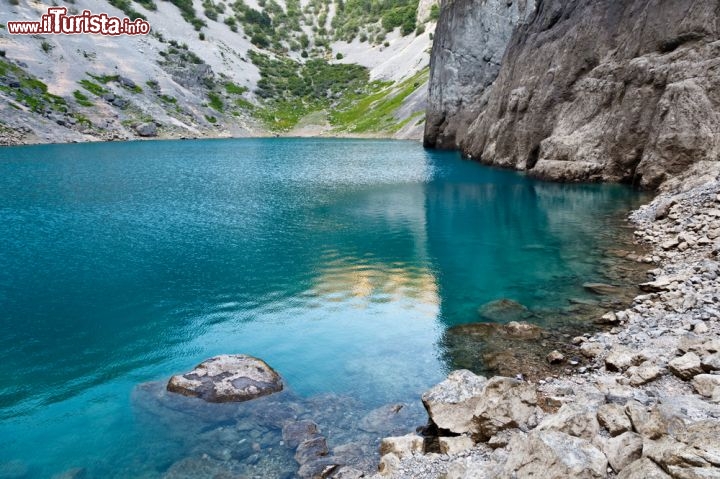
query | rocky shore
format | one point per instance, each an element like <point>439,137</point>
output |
<point>648,405</point>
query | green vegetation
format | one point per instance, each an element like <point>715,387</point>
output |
<point>82,120</point>
<point>127,9</point>
<point>375,111</point>
<point>354,16</point>
<point>216,102</point>
<point>234,89</point>
<point>435,12</point>
<point>82,99</point>
<point>290,89</point>
<point>188,13</point>
<point>148,4</point>
<point>104,79</point>
<point>211,119</point>
<point>177,53</point>
<point>30,91</point>
<point>46,46</point>
<point>93,88</point>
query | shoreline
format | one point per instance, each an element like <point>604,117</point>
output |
<point>656,373</point>
<point>4,143</point>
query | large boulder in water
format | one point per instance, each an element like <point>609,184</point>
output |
<point>503,311</point>
<point>228,378</point>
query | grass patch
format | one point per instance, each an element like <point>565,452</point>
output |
<point>31,92</point>
<point>104,79</point>
<point>127,9</point>
<point>188,13</point>
<point>234,89</point>
<point>82,120</point>
<point>82,99</point>
<point>93,88</point>
<point>375,112</point>
<point>148,4</point>
<point>216,102</point>
<point>289,90</point>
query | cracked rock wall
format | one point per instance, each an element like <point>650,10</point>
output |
<point>588,90</point>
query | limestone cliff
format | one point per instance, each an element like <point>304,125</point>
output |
<point>595,90</point>
<point>467,50</point>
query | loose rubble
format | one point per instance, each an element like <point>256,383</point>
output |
<point>648,405</point>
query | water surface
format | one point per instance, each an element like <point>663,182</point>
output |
<point>339,262</point>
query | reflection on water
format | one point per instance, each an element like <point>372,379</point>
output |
<point>341,263</point>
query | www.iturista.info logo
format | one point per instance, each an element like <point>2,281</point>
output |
<point>57,21</point>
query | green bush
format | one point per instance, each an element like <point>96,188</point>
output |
<point>127,9</point>
<point>234,89</point>
<point>188,13</point>
<point>435,12</point>
<point>148,4</point>
<point>216,102</point>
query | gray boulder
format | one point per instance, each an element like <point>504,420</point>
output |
<point>613,418</point>
<point>228,378</point>
<point>706,384</point>
<point>505,403</point>
<point>554,454</point>
<point>146,129</point>
<point>686,366</point>
<point>577,419</point>
<point>451,404</point>
<point>643,469</point>
<point>623,450</point>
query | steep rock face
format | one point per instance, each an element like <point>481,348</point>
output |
<point>604,90</point>
<point>469,44</point>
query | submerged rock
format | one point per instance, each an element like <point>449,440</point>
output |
<point>14,470</point>
<point>296,432</point>
<point>228,378</point>
<point>512,330</point>
<point>601,289</point>
<point>503,310</point>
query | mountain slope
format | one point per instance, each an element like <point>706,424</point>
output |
<point>198,73</point>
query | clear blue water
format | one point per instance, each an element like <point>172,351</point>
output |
<point>339,262</point>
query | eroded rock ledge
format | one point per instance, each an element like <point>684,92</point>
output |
<point>649,406</point>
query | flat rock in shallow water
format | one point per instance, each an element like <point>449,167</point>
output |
<point>228,378</point>
<point>503,310</point>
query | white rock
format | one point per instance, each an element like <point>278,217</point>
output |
<point>454,445</point>
<point>451,404</point>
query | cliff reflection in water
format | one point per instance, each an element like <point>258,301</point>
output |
<point>500,235</point>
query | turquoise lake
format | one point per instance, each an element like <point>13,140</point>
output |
<point>339,262</point>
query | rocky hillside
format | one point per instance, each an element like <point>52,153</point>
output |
<point>219,68</point>
<point>588,90</point>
